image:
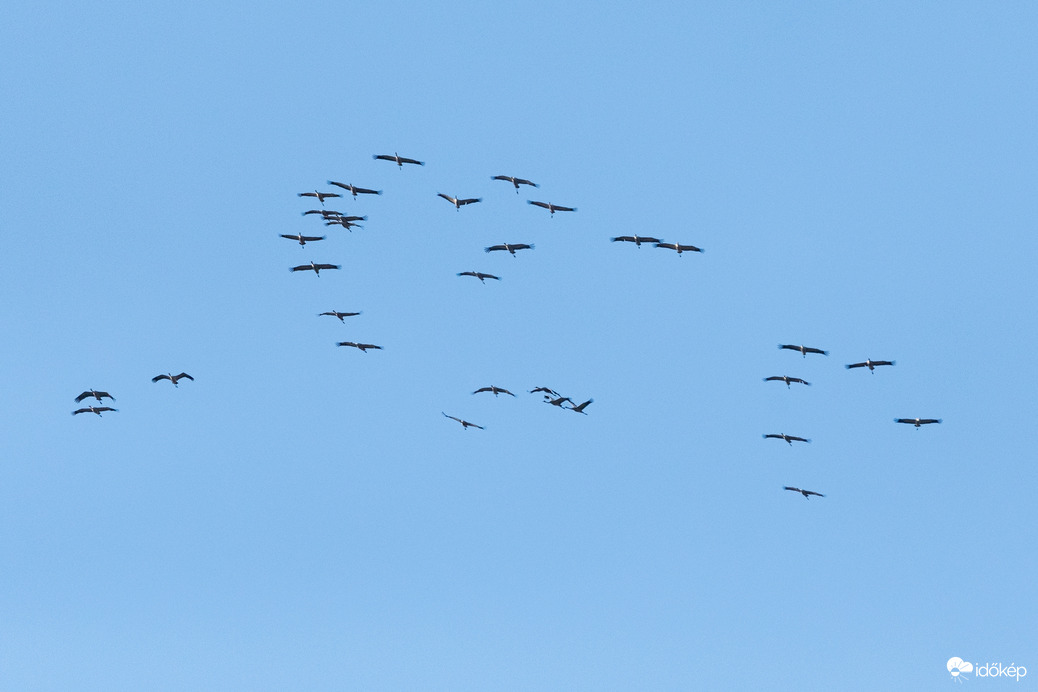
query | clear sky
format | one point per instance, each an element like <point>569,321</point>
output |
<point>862,178</point>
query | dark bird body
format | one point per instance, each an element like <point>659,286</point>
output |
<point>803,350</point>
<point>464,423</point>
<point>546,391</point>
<point>94,409</point>
<point>550,207</point>
<point>94,393</point>
<point>397,159</point>
<point>805,493</point>
<point>788,438</point>
<point>173,378</point>
<point>515,181</point>
<point>509,247</point>
<point>787,379</point>
<point>315,268</point>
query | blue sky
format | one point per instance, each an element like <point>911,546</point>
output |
<point>302,516</point>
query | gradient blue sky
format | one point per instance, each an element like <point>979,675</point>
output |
<point>301,516</point>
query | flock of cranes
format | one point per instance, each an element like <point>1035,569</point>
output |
<point>100,396</point>
<point>550,396</point>
<point>790,439</point>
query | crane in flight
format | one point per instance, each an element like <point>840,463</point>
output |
<point>494,389</point>
<point>465,425</point>
<point>917,422</point>
<point>354,190</point>
<point>321,196</point>
<point>397,159</point>
<point>173,378</point>
<point>458,202</point>
<point>94,393</point>
<point>803,350</point>
<point>340,315</point>
<point>94,409</point>
<point>788,438</point>
<point>805,493</point>
<point>303,239</point>
<point>511,248</point>
<point>787,379</point>
<point>636,239</point>
<point>870,364</point>
<point>515,181</point>
<point>550,207</point>
<point>480,275</point>
<point>363,347</point>
<point>315,268</point>
<point>680,248</point>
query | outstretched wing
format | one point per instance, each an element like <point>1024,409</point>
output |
<point>161,377</point>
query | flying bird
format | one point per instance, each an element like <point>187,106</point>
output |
<point>326,213</point>
<point>680,248</point>
<point>459,203</point>
<point>343,221</point>
<point>510,248</point>
<point>303,239</point>
<point>495,390</point>
<point>315,268</point>
<point>397,159</point>
<point>787,379</point>
<point>173,378</point>
<point>464,423</point>
<point>94,393</point>
<point>340,315</point>
<point>580,409</point>
<point>515,181</point>
<point>363,347</point>
<point>637,240</point>
<point>550,207</point>
<point>94,409</point>
<point>547,391</point>
<point>804,350</point>
<point>870,364</point>
<point>353,190</point>
<point>558,402</point>
<point>805,493</point>
<point>321,196</point>
<point>788,438</point>
<point>480,275</point>
<point>917,422</point>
